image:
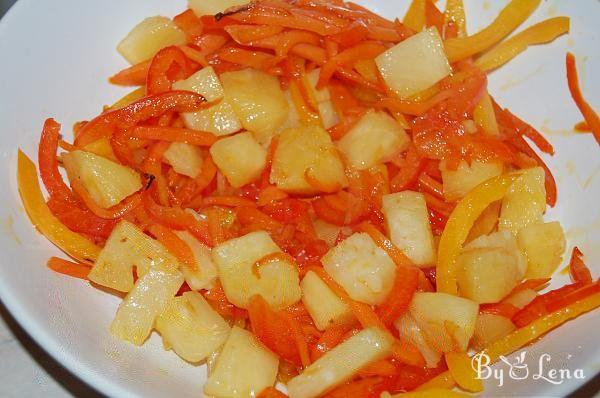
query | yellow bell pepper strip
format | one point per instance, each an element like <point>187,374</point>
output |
<point>543,32</point>
<point>455,13</point>
<point>461,369</point>
<point>485,117</point>
<point>541,326</point>
<point>521,337</point>
<point>459,224</point>
<point>508,20</point>
<point>431,393</point>
<point>75,245</point>
<point>443,381</point>
<point>415,16</point>
<point>129,98</point>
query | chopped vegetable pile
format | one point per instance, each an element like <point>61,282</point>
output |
<point>305,192</point>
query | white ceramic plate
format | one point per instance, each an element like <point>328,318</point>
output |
<point>55,59</point>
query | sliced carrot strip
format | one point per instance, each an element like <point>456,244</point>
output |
<point>76,270</point>
<point>591,117</point>
<point>175,245</point>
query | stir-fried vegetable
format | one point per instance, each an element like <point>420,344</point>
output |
<point>306,191</point>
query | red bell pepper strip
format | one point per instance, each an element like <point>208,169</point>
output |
<point>146,108</point>
<point>168,65</point>
<point>591,117</point>
<point>577,269</point>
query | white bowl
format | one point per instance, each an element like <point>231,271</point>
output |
<point>55,59</point>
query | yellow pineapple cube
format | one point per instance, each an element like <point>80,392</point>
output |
<point>373,140</point>
<point>407,223</point>
<point>191,327</point>
<point>409,330</point>
<point>490,267</point>
<point>148,37</point>
<point>447,321</point>
<point>543,245</point>
<point>525,201</point>
<point>205,275</point>
<point>128,247</point>
<point>414,64</point>
<point>107,182</point>
<point>490,328</point>
<point>240,158</point>
<point>457,183</point>
<point>219,119</point>
<point>258,101</point>
<point>323,305</point>
<point>364,270</point>
<point>185,159</point>
<point>244,367</point>
<point>329,116</point>
<point>341,363</point>
<point>138,311</point>
<point>276,281</point>
<point>212,7</point>
<point>306,150</point>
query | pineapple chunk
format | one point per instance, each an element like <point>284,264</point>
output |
<point>212,7</point>
<point>128,247</point>
<point>102,148</point>
<point>329,116</point>
<point>205,275</point>
<point>490,267</point>
<point>293,119</point>
<point>305,150</point>
<point>521,298</point>
<point>490,328</point>
<point>240,158</point>
<point>185,159</point>
<point>323,305</point>
<point>107,182</point>
<point>363,269</point>
<point>148,37</point>
<point>409,330</point>
<point>543,245</point>
<point>341,363</point>
<point>244,367</point>
<point>219,119</point>
<point>486,275</point>
<point>329,232</point>
<point>277,281</point>
<point>373,140</point>
<point>258,101</point>
<point>457,183</point>
<point>525,201</point>
<point>191,327</point>
<point>150,296</point>
<point>407,223</point>
<point>447,321</point>
<point>414,64</point>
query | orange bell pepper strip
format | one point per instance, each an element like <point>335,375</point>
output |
<point>577,269</point>
<point>168,65</point>
<point>591,117</point>
<point>455,14</point>
<point>415,17</point>
<point>538,307</point>
<point>145,108</point>
<point>271,392</point>
<point>459,224</point>
<point>75,245</point>
<point>133,76</point>
<point>65,267</point>
<point>461,369</point>
<point>515,13</point>
<point>543,32</point>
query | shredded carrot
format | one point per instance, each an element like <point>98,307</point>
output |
<point>175,245</point>
<point>76,270</point>
<point>591,117</point>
